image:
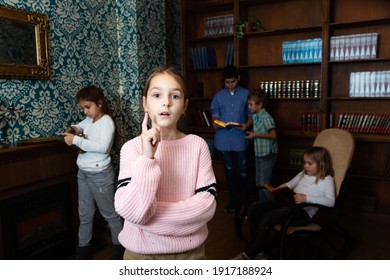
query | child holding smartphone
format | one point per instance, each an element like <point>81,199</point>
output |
<point>94,136</point>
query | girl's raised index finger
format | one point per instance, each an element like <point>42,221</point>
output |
<point>145,123</point>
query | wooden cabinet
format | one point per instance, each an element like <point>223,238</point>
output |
<point>38,201</point>
<point>259,56</point>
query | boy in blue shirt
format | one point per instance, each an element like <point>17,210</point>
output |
<point>230,104</point>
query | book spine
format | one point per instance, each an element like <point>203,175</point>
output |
<point>201,118</point>
<point>208,123</point>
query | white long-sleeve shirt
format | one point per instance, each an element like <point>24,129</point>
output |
<point>323,192</point>
<point>97,143</point>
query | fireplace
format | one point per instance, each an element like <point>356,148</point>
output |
<point>38,224</point>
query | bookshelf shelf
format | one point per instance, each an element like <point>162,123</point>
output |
<point>363,23</point>
<point>278,32</point>
<point>372,60</point>
<point>358,98</point>
<point>279,65</point>
<point>210,39</point>
<point>213,69</point>
<point>292,99</point>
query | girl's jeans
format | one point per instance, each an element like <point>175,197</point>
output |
<point>97,189</point>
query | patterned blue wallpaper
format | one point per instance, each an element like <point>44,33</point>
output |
<point>112,44</point>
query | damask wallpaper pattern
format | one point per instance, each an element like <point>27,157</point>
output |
<point>112,44</point>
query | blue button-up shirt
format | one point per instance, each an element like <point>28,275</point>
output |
<point>231,108</point>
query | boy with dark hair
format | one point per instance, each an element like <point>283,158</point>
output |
<point>230,104</point>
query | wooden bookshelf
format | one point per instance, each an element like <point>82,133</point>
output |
<point>259,56</point>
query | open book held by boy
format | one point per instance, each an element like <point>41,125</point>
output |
<point>227,125</point>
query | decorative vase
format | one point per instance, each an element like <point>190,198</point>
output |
<point>249,27</point>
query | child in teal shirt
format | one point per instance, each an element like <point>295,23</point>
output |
<point>265,140</point>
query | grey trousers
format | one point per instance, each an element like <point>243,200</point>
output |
<point>97,189</point>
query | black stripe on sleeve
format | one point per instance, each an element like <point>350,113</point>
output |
<point>123,182</point>
<point>210,188</point>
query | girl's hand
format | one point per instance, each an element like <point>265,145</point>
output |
<point>68,138</point>
<point>300,198</point>
<point>71,129</point>
<point>149,138</point>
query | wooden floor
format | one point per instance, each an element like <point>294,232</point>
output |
<point>371,233</point>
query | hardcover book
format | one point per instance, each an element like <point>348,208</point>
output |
<point>227,125</point>
<point>284,194</point>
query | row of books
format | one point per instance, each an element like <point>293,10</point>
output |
<point>369,84</point>
<point>203,58</point>
<point>292,89</point>
<point>365,123</point>
<point>218,25</point>
<point>356,46</point>
<point>302,51</point>
<point>202,118</point>
<point>311,121</point>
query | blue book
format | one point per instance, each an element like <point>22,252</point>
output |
<point>211,58</point>
<point>229,55</point>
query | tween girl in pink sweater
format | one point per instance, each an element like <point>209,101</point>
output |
<point>167,187</point>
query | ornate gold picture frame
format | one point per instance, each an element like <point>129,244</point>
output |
<point>23,44</point>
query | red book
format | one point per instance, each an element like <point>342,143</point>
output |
<point>355,121</point>
<point>303,122</point>
<point>340,120</point>
<point>363,124</point>
<point>317,121</point>
<point>347,121</point>
<point>378,123</point>
<point>368,123</point>
<point>359,122</point>
<point>373,123</point>
<point>386,126</point>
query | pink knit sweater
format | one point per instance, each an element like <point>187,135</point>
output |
<point>166,201</point>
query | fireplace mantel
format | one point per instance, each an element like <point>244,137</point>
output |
<point>22,166</point>
<point>29,168</point>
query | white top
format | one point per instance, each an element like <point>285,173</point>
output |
<point>323,192</point>
<point>97,143</point>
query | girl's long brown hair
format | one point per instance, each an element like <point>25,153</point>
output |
<point>322,158</point>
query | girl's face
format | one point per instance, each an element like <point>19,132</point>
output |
<point>165,101</point>
<point>309,166</point>
<point>255,108</point>
<point>91,109</point>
